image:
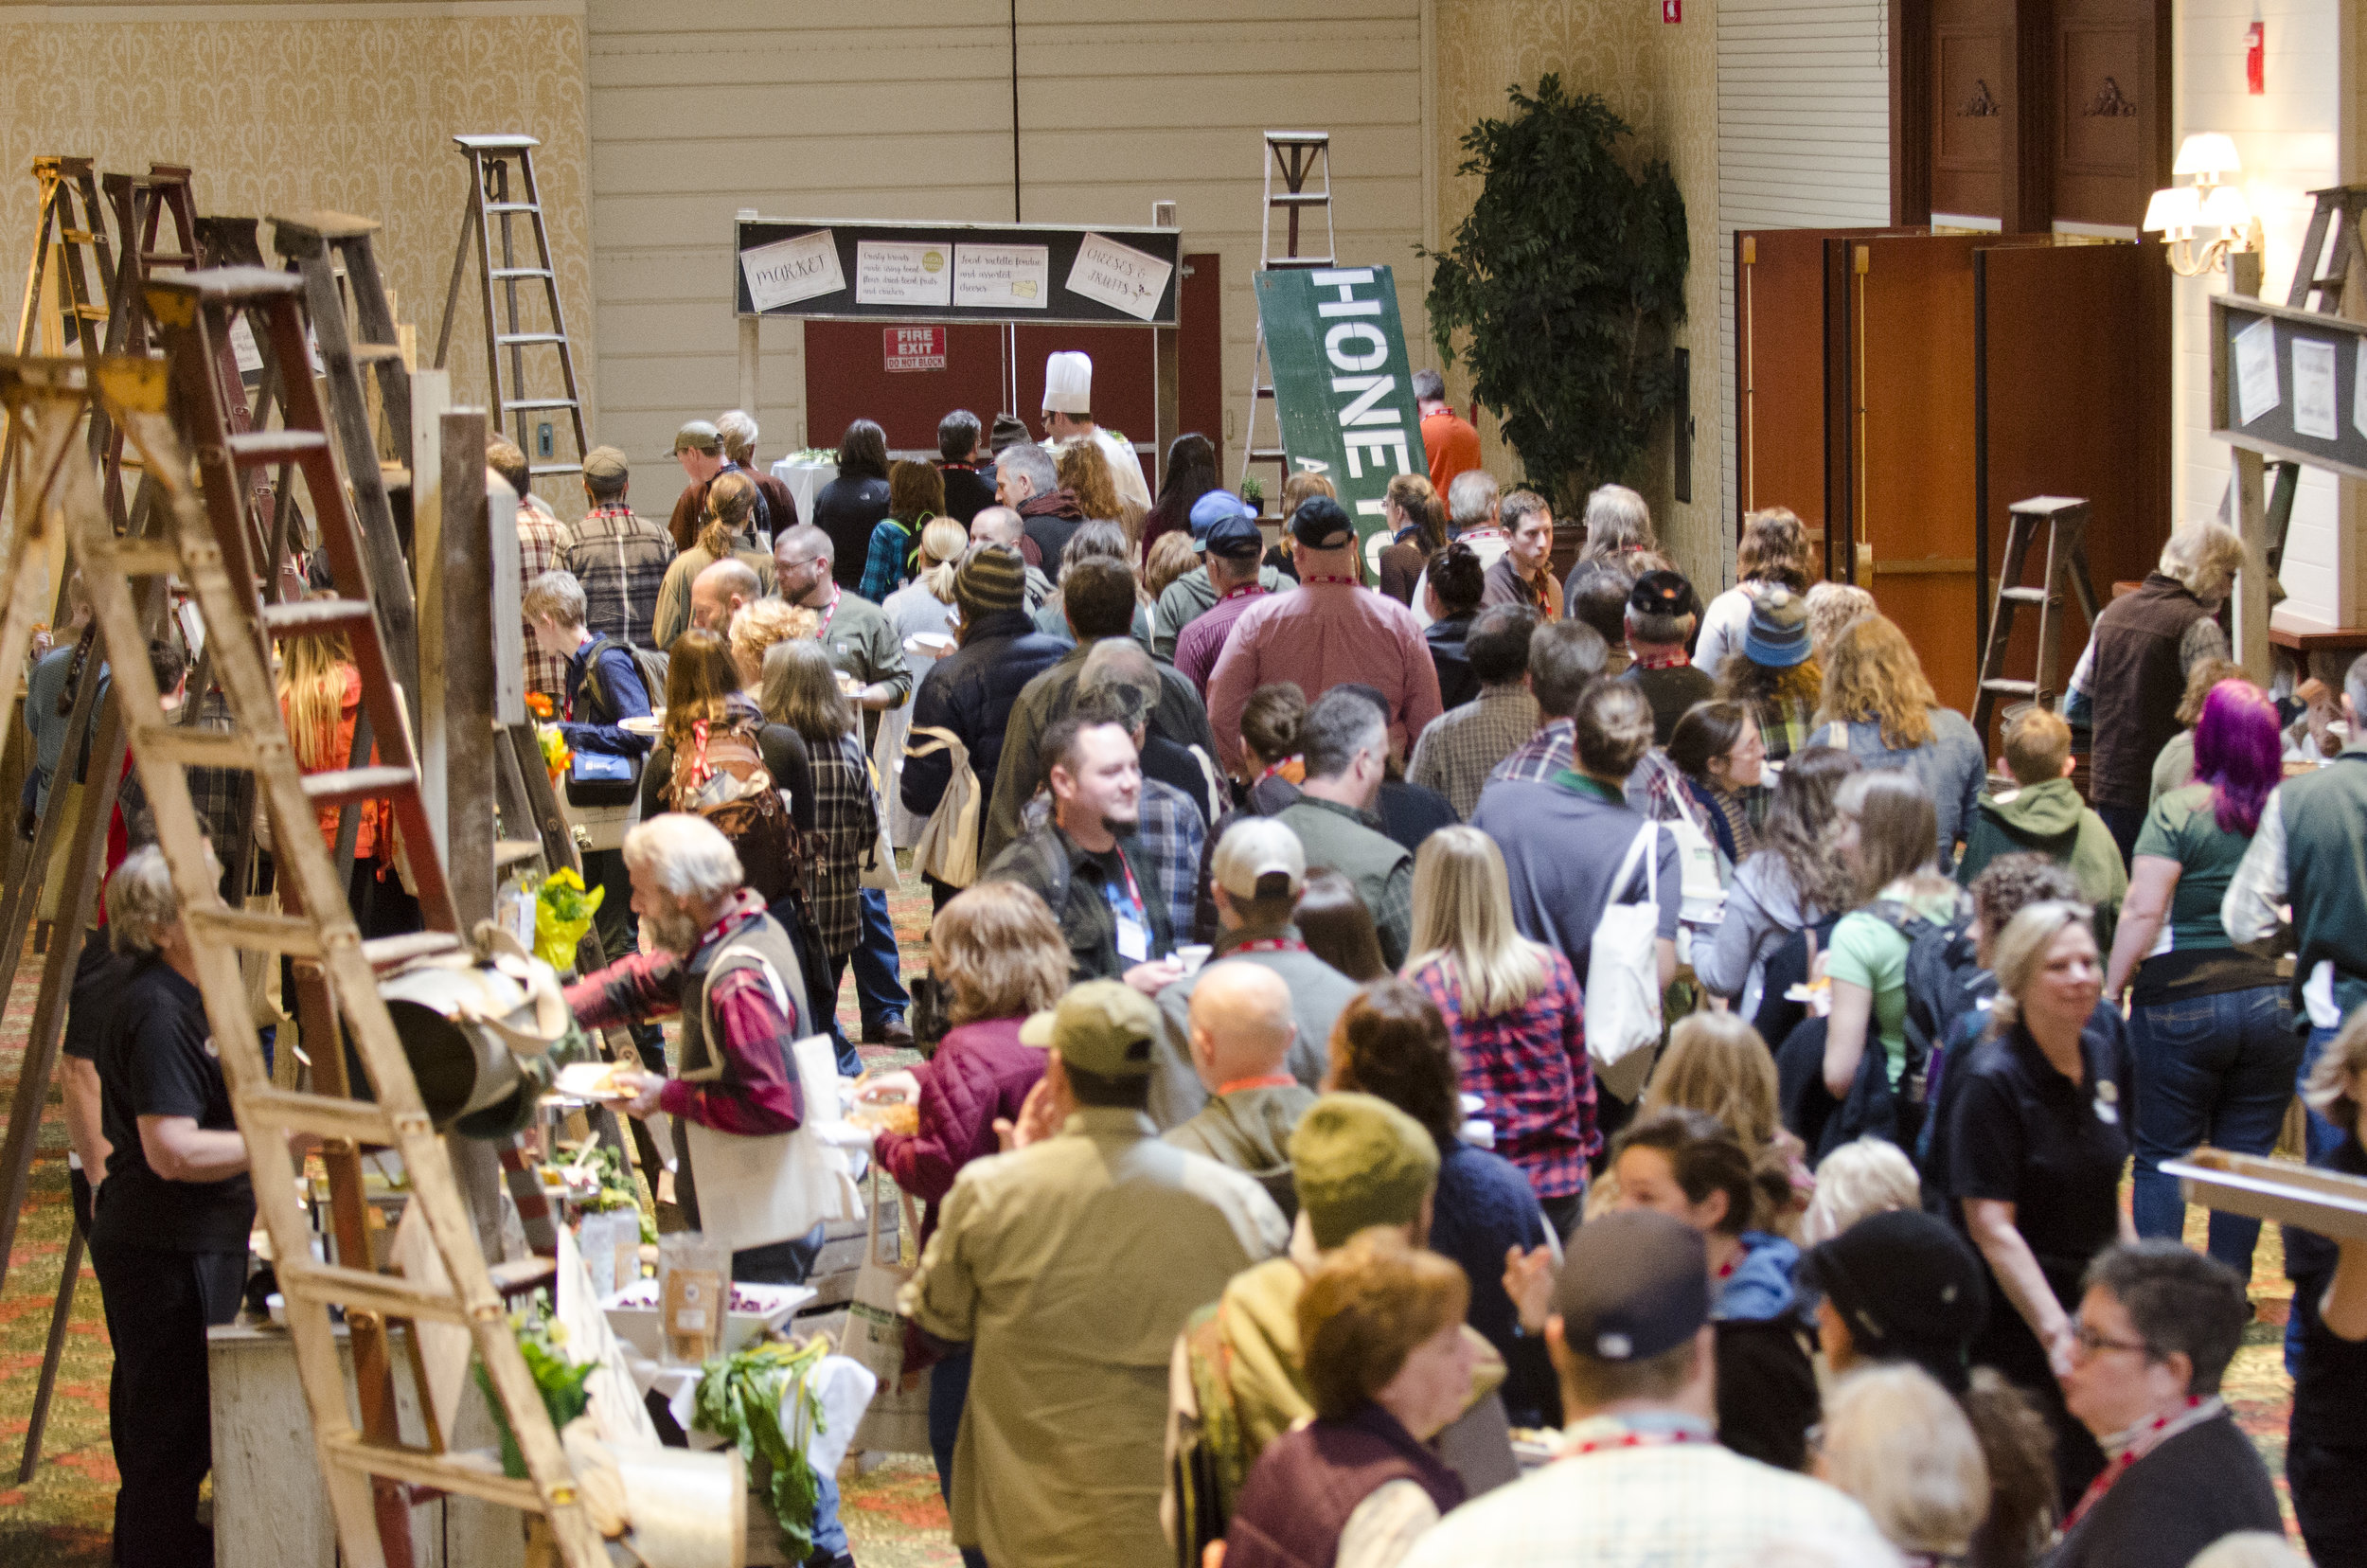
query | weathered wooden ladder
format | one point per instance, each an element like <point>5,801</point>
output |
<point>2065,521</point>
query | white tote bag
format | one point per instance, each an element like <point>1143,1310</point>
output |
<point>948,845</point>
<point>1622,972</point>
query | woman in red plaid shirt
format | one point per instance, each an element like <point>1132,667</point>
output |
<point>1515,1012</point>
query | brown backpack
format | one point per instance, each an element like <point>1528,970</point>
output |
<point>726,782</point>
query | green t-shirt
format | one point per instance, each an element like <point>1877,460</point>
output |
<point>2185,826</point>
<point>1869,952</point>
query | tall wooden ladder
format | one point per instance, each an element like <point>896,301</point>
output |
<point>370,1472</point>
<point>142,203</point>
<point>509,334</point>
<point>2065,521</point>
<point>68,247</point>
<point>1295,157</point>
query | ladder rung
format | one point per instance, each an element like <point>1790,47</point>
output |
<point>366,353</point>
<point>1298,138</point>
<point>554,468</point>
<point>332,1285</point>
<point>256,448</point>
<point>2011,688</point>
<point>1263,392</point>
<point>302,617</point>
<point>1268,454</point>
<point>530,337</point>
<point>1300,199</point>
<point>195,748</point>
<point>336,785</point>
<point>511,207</point>
<point>1280,263</point>
<point>89,313</point>
<point>513,851</point>
<point>358,1121</point>
<point>394,478</point>
<point>521,271</point>
<point>386,951</point>
<point>247,929</point>
<point>511,404</point>
<point>142,557</point>
<point>475,1473</point>
<point>2028,596</point>
<point>167,259</point>
<point>523,1275</point>
<point>79,237</point>
<point>2329,285</point>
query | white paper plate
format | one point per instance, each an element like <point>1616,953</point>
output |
<point>640,724</point>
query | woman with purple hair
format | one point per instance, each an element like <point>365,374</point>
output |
<point>2210,1026</point>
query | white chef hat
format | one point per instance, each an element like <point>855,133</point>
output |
<point>1068,383</point>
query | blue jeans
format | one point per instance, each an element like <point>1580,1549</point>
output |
<point>2213,1070</point>
<point>949,1392</point>
<point>878,980</point>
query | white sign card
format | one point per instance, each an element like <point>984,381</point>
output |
<point>2358,389</point>
<point>2314,412</point>
<point>1119,277</point>
<point>1003,277</point>
<point>2255,371</point>
<point>787,271</point>
<point>242,346</point>
<point>901,271</point>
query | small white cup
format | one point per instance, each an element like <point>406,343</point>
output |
<point>1192,956</point>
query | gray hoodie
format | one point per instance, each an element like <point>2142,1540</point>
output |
<point>1762,909</point>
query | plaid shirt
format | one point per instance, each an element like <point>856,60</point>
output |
<point>883,568</point>
<point>1656,789</point>
<point>622,560</point>
<point>1170,835</point>
<point>846,825</point>
<point>1528,1067</point>
<point>542,540</point>
<point>1464,744</point>
<point>1784,724</point>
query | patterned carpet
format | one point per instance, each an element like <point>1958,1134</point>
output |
<point>894,1516</point>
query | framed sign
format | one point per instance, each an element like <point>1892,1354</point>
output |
<point>1040,272</point>
<point>2289,383</point>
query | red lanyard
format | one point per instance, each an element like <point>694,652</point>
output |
<point>1242,592</point>
<point>835,591</point>
<point>1276,769</point>
<point>1343,581</point>
<point>1629,1440</point>
<point>1264,1080</point>
<point>1663,661</point>
<point>2155,1433</point>
<point>1269,944</point>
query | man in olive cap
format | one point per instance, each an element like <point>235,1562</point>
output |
<point>1239,1380</point>
<point>1069,1265</point>
<point>619,556</point>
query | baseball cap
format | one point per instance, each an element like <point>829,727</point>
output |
<point>1778,637</point>
<point>994,577</point>
<point>1105,1027</point>
<point>1632,1285</point>
<point>1357,1161</point>
<point>1213,508</point>
<point>698,435</point>
<point>1908,1287</point>
<point>1235,539</point>
<point>604,462</point>
<point>1320,524</point>
<point>1662,593</point>
<point>1253,849</point>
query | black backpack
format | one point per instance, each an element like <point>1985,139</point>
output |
<point>1944,981</point>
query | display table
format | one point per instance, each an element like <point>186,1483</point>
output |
<point>805,480</point>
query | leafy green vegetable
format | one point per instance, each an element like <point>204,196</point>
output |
<point>740,1399</point>
<point>542,1340</point>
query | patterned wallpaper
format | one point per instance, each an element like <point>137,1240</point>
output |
<point>313,111</point>
<point>1663,80</point>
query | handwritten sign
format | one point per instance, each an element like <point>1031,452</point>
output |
<point>1119,275</point>
<point>790,269</point>
<point>1006,277</point>
<point>895,272</point>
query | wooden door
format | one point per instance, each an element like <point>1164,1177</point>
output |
<point>2060,398</point>
<point>1906,489</point>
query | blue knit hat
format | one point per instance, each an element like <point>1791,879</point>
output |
<point>1778,637</point>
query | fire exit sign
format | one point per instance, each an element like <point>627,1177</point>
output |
<point>915,347</point>
<point>1672,10</point>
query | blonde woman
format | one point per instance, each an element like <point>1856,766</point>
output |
<point>1512,1009</point>
<point>1774,554</point>
<point>1717,1064</point>
<point>731,506</point>
<point>1418,530</point>
<point>1833,607</point>
<point>1870,1176</point>
<point>924,607</point>
<point>756,627</point>
<point>1880,708</point>
<point>1898,1443</point>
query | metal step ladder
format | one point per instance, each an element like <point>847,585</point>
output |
<point>371,1477</point>
<point>1295,157</point>
<point>491,159</point>
<point>2065,521</point>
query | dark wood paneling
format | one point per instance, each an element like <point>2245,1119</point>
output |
<point>1971,74</point>
<point>1200,360</point>
<point>1913,101</point>
<point>847,379</point>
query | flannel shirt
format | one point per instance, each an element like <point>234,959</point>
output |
<point>1171,835</point>
<point>1528,1066</point>
<point>542,540</point>
<point>758,1095</point>
<point>883,566</point>
<point>847,825</point>
<point>224,798</point>
<point>620,558</point>
<point>1784,724</point>
<point>1463,746</point>
<point>1656,789</point>
<point>1071,881</point>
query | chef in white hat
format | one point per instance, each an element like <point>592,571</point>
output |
<point>1068,400</point>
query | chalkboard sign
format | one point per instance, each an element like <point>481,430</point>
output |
<point>2289,383</point>
<point>957,272</point>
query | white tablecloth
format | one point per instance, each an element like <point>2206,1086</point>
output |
<point>804,481</point>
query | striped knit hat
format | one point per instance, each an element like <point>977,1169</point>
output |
<point>992,577</point>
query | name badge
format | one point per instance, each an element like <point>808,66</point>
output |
<point>1133,940</point>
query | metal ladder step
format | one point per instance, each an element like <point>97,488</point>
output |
<point>2011,688</point>
<point>2028,596</point>
<point>1300,199</point>
<point>528,337</point>
<point>256,448</point>
<point>511,207</point>
<point>510,406</point>
<point>500,273</point>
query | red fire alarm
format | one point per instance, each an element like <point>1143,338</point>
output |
<point>2255,61</point>
<point>1672,10</point>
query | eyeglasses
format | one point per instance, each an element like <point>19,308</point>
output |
<point>2090,1343</point>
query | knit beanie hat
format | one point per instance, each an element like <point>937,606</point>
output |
<point>994,578</point>
<point>1359,1161</point>
<point>1908,1287</point>
<point>1778,637</point>
<point>1009,430</point>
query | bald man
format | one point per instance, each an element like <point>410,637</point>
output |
<point>1241,1031</point>
<point>718,592</point>
<point>1002,526</point>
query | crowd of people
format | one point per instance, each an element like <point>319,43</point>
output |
<point>1442,1060</point>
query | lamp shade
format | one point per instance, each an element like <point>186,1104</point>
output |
<point>2174,211</point>
<point>2225,208</point>
<point>2208,153</point>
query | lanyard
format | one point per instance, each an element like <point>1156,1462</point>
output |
<point>1269,944</point>
<point>1272,770</point>
<point>2152,1436</point>
<point>1242,592</point>
<point>1133,893</point>
<point>818,630</point>
<point>1311,581</point>
<point>1663,661</point>
<point>1627,1440</point>
<point>1263,1080</point>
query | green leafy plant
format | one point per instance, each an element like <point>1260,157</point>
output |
<point>1564,285</point>
<point>542,1340</point>
<point>1252,491</point>
<point>740,1399</point>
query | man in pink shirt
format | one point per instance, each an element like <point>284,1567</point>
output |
<point>1330,630</point>
<point>1234,549</point>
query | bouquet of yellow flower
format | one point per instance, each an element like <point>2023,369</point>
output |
<point>562,913</point>
<point>556,754</point>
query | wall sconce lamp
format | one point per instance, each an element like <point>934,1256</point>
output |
<point>2180,212</point>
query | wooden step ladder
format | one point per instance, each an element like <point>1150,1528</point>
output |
<point>2065,521</point>
<point>69,245</point>
<point>491,159</point>
<point>1295,157</point>
<point>371,1475</point>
